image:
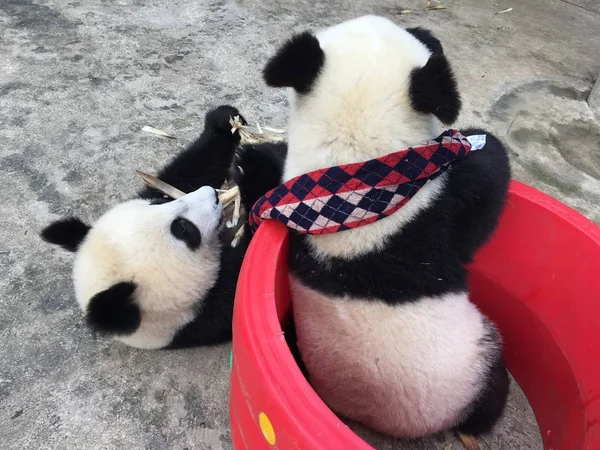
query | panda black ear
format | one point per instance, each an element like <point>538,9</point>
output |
<point>68,233</point>
<point>427,38</point>
<point>433,90</point>
<point>114,311</point>
<point>296,64</point>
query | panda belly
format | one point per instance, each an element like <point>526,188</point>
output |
<point>405,370</point>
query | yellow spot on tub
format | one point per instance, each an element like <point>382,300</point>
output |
<point>267,428</point>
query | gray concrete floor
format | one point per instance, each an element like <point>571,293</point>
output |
<point>79,79</point>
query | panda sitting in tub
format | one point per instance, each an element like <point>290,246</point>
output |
<point>382,314</point>
<point>155,273</point>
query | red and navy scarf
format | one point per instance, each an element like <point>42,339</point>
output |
<point>343,197</point>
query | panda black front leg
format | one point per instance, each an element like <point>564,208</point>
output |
<point>257,169</point>
<point>207,160</point>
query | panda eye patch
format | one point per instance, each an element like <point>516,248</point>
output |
<point>186,231</point>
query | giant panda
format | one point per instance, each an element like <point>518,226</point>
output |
<point>384,324</point>
<point>155,273</point>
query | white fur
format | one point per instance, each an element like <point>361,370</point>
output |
<point>359,109</point>
<point>406,370</point>
<point>133,243</point>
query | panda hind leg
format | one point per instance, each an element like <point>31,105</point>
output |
<point>489,406</point>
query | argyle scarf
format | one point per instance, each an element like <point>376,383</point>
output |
<point>348,196</point>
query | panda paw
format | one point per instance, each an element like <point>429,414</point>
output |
<point>246,164</point>
<point>218,119</point>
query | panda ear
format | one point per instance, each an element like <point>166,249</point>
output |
<point>427,38</point>
<point>433,90</point>
<point>68,233</point>
<point>114,311</point>
<point>296,64</point>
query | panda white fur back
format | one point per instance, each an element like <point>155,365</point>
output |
<point>155,273</point>
<point>383,319</point>
<point>414,368</point>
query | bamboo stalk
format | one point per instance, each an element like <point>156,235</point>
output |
<point>226,197</point>
<point>161,186</point>
<point>247,136</point>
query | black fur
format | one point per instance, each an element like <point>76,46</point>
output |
<point>296,64</point>
<point>114,310</point>
<point>426,257</point>
<point>68,233</point>
<point>488,407</point>
<point>427,39</point>
<point>186,231</point>
<point>479,185</point>
<point>433,90</point>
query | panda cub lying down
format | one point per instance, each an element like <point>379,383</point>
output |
<point>382,314</point>
<point>156,273</point>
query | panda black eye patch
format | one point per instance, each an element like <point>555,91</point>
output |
<point>186,231</point>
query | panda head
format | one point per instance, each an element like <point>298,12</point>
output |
<point>141,269</point>
<point>361,89</point>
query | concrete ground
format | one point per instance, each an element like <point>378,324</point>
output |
<point>78,81</point>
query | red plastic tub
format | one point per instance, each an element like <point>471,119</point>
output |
<point>538,279</point>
